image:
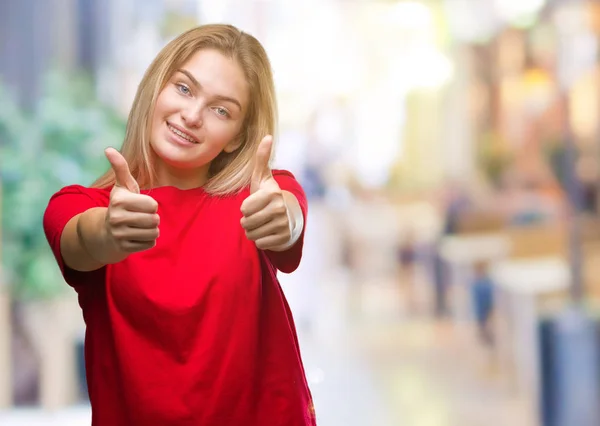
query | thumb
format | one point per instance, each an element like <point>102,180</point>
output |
<point>123,176</point>
<point>262,170</point>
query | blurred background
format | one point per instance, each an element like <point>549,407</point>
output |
<point>450,152</point>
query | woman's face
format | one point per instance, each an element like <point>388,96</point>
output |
<point>200,111</point>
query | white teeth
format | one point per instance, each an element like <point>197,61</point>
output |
<point>183,135</point>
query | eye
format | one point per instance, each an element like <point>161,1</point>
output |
<point>222,112</point>
<point>183,89</point>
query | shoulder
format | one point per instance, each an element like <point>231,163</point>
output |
<point>67,203</point>
<point>285,178</point>
<point>283,173</point>
<point>75,193</point>
<point>288,182</point>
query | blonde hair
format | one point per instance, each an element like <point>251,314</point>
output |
<point>229,172</point>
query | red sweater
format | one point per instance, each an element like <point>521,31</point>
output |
<point>195,331</point>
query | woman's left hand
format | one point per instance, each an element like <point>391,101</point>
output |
<point>267,217</point>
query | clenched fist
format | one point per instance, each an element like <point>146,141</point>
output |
<point>266,217</point>
<point>131,219</point>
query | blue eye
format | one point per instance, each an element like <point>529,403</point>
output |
<point>222,112</point>
<point>183,89</point>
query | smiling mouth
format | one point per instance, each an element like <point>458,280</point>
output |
<point>181,134</point>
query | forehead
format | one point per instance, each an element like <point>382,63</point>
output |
<point>219,75</point>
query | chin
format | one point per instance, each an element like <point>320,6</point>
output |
<point>176,157</point>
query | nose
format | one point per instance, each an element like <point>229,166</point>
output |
<point>192,116</point>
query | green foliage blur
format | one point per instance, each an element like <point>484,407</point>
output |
<point>60,143</point>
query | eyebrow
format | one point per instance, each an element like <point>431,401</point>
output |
<point>199,86</point>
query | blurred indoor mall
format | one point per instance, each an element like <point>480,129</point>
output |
<point>450,150</point>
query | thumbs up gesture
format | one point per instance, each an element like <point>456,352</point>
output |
<point>131,219</point>
<point>266,218</point>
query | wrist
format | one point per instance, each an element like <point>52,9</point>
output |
<point>95,238</point>
<point>296,221</point>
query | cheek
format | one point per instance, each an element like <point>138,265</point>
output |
<point>220,131</point>
<point>166,104</point>
<point>158,111</point>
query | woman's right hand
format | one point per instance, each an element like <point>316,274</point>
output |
<point>131,222</point>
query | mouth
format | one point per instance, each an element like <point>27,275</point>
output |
<point>177,131</point>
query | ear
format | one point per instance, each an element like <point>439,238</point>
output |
<point>233,145</point>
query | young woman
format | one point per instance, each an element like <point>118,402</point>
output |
<point>174,252</point>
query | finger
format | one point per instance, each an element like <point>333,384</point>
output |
<point>123,176</point>
<point>145,220</point>
<point>256,220</point>
<point>279,228</point>
<point>140,203</point>
<point>124,234</point>
<point>136,246</point>
<point>262,170</point>
<point>140,235</point>
<point>255,203</point>
<point>135,220</point>
<point>270,242</point>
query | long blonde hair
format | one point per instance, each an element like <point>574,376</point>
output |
<point>229,172</point>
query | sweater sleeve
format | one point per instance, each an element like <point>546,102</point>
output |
<point>288,261</point>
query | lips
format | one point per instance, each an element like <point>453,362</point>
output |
<point>178,131</point>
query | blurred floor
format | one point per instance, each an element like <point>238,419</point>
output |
<point>374,359</point>
<point>74,416</point>
<point>412,372</point>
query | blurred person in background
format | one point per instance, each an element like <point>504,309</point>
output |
<point>407,254</point>
<point>190,327</point>
<point>455,203</point>
<point>482,295</point>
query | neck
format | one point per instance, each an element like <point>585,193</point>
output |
<point>181,178</point>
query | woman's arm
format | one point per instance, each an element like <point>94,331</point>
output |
<point>85,244</point>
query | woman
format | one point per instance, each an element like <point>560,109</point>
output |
<point>189,326</point>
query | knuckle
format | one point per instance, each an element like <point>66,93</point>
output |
<point>117,199</point>
<point>284,228</point>
<point>273,191</point>
<point>279,208</point>
<point>115,220</point>
<point>119,235</point>
<point>123,244</point>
